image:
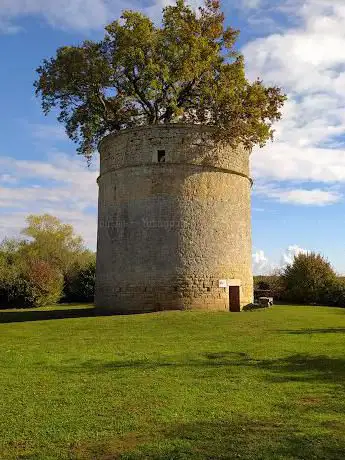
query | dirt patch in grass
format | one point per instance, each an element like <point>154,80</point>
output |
<point>219,440</point>
<point>20,449</point>
<point>109,449</point>
<point>311,401</point>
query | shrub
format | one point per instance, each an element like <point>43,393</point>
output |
<point>310,279</point>
<point>36,284</point>
<point>335,294</point>
<point>80,284</point>
<point>271,283</point>
<point>32,271</point>
<point>45,284</point>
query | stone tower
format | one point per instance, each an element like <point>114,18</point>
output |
<point>174,224</point>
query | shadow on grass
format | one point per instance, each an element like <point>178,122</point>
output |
<point>330,330</point>
<point>20,316</point>
<point>298,367</point>
<point>23,315</point>
<point>219,439</point>
<point>279,438</point>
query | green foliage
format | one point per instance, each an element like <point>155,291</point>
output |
<point>335,294</point>
<point>26,281</point>
<point>309,279</point>
<point>33,271</point>
<point>80,283</point>
<point>272,283</point>
<point>44,283</point>
<point>54,242</point>
<point>188,70</point>
<point>12,284</point>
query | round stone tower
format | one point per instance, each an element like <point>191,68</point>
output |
<point>174,223</point>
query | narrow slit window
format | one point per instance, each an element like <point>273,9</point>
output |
<point>161,156</point>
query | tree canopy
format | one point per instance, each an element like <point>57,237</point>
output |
<point>309,278</point>
<point>50,262</point>
<point>186,70</point>
<point>54,242</point>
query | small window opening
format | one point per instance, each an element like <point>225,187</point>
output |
<point>161,156</point>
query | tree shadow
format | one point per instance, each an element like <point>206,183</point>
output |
<point>298,367</point>
<point>321,366</point>
<point>305,368</point>
<point>207,360</point>
<point>239,437</point>
<point>330,330</point>
<point>21,316</point>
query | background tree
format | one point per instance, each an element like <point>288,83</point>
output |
<point>54,242</point>
<point>12,284</point>
<point>43,283</point>
<point>272,283</point>
<point>188,70</point>
<point>80,283</point>
<point>50,264</point>
<point>309,279</point>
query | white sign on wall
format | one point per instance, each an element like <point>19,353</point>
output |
<point>234,283</point>
<point>229,283</point>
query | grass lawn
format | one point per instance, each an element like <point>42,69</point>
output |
<point>177,385</point>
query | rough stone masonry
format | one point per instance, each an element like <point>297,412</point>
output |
<point>174,221</point>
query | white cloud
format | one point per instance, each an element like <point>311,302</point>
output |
<point>298,196</point>
<point>64,187</point>
<point>250,4</point>
<point>289,255</point>
<point>7,179</point>
<point>308,61</point>
<point>262,265</point>
<point>285,162</point>
<point>314,197</point>
<point>74,14</point>
<point>47,132</point>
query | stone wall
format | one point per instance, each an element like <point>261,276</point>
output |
<point>168,232</point>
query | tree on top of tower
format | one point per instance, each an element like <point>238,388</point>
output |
<point>187,70</point>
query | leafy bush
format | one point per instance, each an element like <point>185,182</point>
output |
<point>34,284</point>
<point>335,294</point>
<point>44,282</point>
<point>80,284</point>
<point>310,279</point>
<point>272,283</point>
<point>32,271</point>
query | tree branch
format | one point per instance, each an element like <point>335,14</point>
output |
<point>143,101</point>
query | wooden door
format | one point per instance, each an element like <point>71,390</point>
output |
<point>234,298</point>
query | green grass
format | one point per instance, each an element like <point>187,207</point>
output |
<point>178,385</point>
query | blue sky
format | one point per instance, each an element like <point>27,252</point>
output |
<point>298,193</point>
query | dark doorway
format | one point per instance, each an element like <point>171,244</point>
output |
<point>234,298</point>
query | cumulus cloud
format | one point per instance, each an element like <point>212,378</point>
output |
<point>262,265</point>
<point>289,255</point>
<point>298,196</point>
<point>307,60</point>
<point>62,186</point>
<point>74,14</point>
